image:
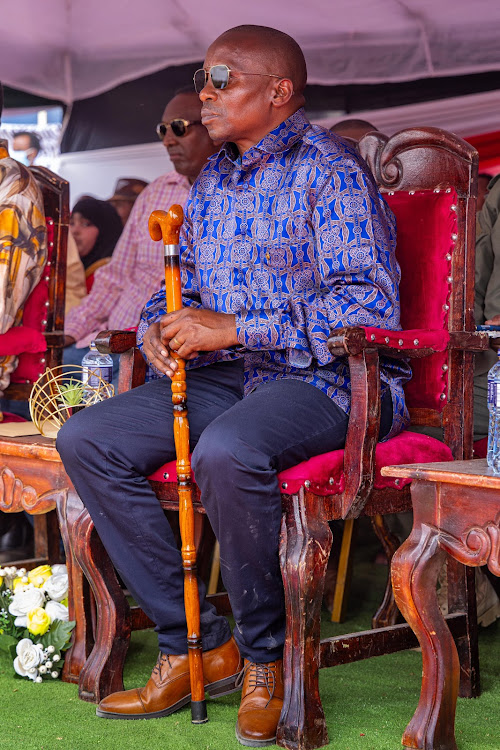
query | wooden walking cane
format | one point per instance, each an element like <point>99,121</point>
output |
<point>167,226</point>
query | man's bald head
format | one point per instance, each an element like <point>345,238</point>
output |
<point>278,52</point>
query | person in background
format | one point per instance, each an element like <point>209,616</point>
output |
<point>483,181</point>
<point>136,270</point>
<point>26,146</point>
<point>353,129</point>
<point>96,228</point>
<point>126,192</point>
<point>76,288</point>
<point>23,252</point>
<point>487,297</point>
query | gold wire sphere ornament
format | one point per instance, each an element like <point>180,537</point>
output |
<point>60,392</point>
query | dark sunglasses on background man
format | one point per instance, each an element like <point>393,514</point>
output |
<point>179,127</point>
<point>220,75</point>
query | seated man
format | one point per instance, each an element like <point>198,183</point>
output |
<point>136,269</point>
<point>285,237</point>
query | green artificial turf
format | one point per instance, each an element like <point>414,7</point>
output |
<point>367,704</point>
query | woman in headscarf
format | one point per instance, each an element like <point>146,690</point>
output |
<point>96,227</point>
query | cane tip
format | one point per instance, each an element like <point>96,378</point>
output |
<point>199,712</point>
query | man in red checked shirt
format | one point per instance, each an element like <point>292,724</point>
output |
<point>136,269</point>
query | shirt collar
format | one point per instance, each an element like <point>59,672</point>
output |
<point>282,138</point>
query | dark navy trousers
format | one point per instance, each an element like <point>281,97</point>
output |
<point>239,445</point>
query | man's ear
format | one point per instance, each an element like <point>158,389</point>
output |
<point>283,92</point>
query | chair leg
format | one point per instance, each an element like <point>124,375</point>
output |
<point>388,612</point>
<point>214,571</point>
<point>344,571</point>
<point>102,673</point>
<point>305,545</point>
<point>462,597</point>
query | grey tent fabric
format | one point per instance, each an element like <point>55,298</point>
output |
<point>73,49</point>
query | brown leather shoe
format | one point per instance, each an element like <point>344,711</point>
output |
<point>169,689</point>
<point>261,703</point>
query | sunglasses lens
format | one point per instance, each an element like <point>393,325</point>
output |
<point>178,128</point>
<point>220,76</point>
<point>161,130</point>
<point>200,79</point>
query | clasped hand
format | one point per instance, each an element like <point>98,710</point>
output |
<point>187,332</point>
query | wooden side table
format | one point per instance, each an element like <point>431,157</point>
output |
<point>456,511</point>
<point>33,479</point>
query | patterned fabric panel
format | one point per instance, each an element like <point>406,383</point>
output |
<point>31,366</point>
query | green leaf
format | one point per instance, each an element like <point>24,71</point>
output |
<point>58,635</point>
<point>71,393</point>
<point>6,641</point>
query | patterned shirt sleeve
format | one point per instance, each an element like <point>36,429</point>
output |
<point>354,284</point>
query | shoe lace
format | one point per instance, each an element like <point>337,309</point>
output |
<point>259,675</point>
<point>159,664</point>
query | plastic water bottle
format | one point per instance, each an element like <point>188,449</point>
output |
<point>494,421</point>
<point>96,365</point>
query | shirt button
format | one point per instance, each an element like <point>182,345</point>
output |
<point>268,256</point>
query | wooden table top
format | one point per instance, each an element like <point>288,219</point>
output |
<point>32,446</point>
<point>474,473</point>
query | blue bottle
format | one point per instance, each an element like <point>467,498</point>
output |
<point>494,419</point>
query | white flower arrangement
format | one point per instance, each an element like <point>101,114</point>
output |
<point>34,619</point>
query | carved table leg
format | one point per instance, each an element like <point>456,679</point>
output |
<point>69,506</point>
<point>415,568</point>
<point>305,545</point>
<point>102,673</point>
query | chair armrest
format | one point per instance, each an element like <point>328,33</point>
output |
<point>115,342</point>
<point>413,343</point>
<point>132,364</point>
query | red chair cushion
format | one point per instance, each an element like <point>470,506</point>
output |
<point>8,417</point>
<point>427,228</point>
<point>21,339</point>
<point>326,472</point>
<point>32,361</point>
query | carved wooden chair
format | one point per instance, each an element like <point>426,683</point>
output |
<point>39,342</point>
<point>429,177</point>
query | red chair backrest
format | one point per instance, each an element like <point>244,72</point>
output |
<point>427,231</point>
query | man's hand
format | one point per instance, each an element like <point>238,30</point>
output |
<point>187,332</point>
<point>493,322</point>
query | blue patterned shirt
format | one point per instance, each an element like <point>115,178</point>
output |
<point>294,239</point>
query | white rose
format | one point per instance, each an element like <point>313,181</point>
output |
<point>57,586</point>
<point>24,601</point>
<point>29,656</point>
<point>56,611</point>
<point>21,621</point>
<point>59,570</point>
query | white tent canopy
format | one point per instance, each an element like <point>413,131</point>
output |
<point>74,49</point>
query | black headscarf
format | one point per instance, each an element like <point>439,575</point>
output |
<point>105,218</point>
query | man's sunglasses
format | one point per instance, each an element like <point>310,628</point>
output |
<point>220,75</point>
<point>179,127</point>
